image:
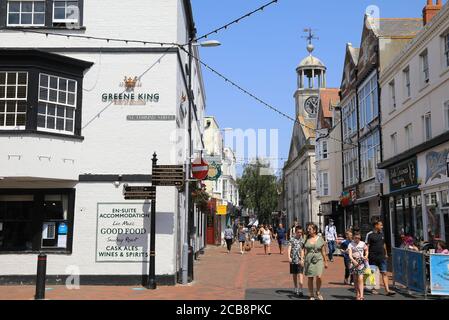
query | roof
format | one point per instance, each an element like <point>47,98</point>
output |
<point>398,27</point>
<point>311,61</point>
<point>354,53</point>
<point>328,98</point>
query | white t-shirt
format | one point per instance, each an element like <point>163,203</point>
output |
<point>358,250</point>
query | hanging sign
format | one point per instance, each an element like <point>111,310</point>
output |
<point>214,172</point>
<point>222,209</point>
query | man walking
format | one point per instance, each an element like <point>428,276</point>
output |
<point>378,255</point>
<point>280,236</point>
<point>330,233</point>
<point>229,237</point>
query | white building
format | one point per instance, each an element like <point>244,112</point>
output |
<point>415,126</point>
<point>79,118</point>
<point>299,171</point>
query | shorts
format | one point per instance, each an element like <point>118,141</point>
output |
<point>296,268</point>
<point>281,241</point>
<point>381,264</point>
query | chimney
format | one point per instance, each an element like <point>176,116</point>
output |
<point>431,10</point>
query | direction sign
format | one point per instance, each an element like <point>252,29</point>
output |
<point>168,175</point>
<point>139,192</point>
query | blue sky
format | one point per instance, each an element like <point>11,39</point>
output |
<point>261,53</point>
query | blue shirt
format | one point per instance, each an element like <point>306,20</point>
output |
<point>281,233</point>
<point>344,246</point>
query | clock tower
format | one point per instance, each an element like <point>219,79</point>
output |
<point>311,78</point>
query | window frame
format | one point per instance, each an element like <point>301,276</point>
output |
<point>15,127</point>
<point>409,135</point>
<point>351,166</point>
<point>425,68</point>
<point>369,145</point>
<point>394,143</point>
<point>368,100</point>
<point>65,12</point>
<point>392,86</point>
<point>427,130</point>
<point>407,82</point>
<point>8,2</point>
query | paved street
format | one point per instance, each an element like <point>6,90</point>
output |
<point>218,276</point>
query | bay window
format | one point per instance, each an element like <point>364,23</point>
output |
<point>13,99</point>
<point>350,162</point>
<point>349,118</point>
<point>368,100</point>
<point>369,155</point>
<point>42,99</point>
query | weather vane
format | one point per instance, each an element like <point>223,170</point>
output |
<point>310,36</point>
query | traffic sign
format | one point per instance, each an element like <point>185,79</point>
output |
<point>200,169</point>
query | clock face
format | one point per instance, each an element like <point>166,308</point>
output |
<point>311,105</point>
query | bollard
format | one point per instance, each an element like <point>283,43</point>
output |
<point>40,277</point>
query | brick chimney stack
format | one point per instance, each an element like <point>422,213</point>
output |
<point>431,10</point>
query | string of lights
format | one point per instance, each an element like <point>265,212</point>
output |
<point>240,88</point>
<point>68,36</point>
<point>235,21</point>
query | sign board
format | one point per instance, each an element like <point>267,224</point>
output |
<point>403,175</point>
<point>168,175</point>
<point>439,274</point>
<point>122,232</point>
<point>222,209</point>
<point>139,192</point>
<point>148,117</point>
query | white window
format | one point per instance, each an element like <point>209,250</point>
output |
<point>26,13</point>
<point>369,156</point>
<point>368,101</point>
<point>446,49</point>
<point>350,118</point>
<point>427,120</point>
<point>57,103</point>
<point>324,188</point>
<point>408,90</point>
<point>393,94</point>
<point>394,143</point>
<point>13,99</point>
<point>425,67</point>
<point>409,136</point>
<point>324,153</point>
<point>65,11</point>
<point>350,159</point>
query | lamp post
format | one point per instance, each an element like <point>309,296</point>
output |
<point>187,229</point>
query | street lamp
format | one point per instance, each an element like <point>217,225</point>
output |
<point>186,247</point>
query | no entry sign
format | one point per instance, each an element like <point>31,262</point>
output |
<point>200,168</point>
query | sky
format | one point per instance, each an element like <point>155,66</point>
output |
<point>261,54</point>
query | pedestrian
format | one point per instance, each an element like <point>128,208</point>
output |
<point>242,237</point>
<point>229,237</point>
<point>378,255</point>
<point>266,237</point>
<point>442,248</point>
<point>291,231</point>
<point>330,233</point>
<point>358,253</point>
<point>253,236</point>
<point>349,278</point>
<point>260,233</point>
<point>296,258</point>
<point>280,236</point>
<point>314,260</point>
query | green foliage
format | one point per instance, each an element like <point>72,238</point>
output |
<point>258,191</point>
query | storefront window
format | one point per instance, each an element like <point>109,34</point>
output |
<point>433,216</point>
<point>34,222</point>
<point>417,217</point>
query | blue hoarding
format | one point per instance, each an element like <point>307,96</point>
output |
<point>416,280</point>
<point>399,266</point>
<point>439,274</point>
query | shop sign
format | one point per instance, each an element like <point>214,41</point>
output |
<point>436,163</point>
<point>122,232</point>
<point>403,175</point>
<point>439,274</point>
<point>222,209</point>
<point>129,96</point>
<point>214,172</point>
<point>148,117</point>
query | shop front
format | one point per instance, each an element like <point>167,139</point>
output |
<point>433,173</point>
<point>403,202</point>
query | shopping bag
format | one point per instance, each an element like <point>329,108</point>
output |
<point>372,279</point>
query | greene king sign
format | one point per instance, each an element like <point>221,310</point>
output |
<point>129,96</point>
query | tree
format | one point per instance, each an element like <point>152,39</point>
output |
<point>258,190</point>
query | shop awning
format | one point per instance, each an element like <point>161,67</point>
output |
<point>365,199</point>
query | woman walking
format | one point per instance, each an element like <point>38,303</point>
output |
<point>229,237</point>
<point>253,236</point>
<point>242,237</point>
<point>358,253</point>
<point>315,260</point>
<point>266,238</point>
